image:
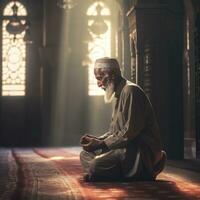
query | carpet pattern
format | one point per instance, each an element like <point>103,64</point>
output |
<point>8,174</point>
<point>55,173</point>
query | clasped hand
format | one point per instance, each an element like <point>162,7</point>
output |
<point>91,143</point>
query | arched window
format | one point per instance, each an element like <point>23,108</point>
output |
<point>99,25</point>
<point>13,54</point>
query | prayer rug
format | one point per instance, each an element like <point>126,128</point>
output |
<point>55,173</point>
<point>165,187</point>
<point>8,174</point>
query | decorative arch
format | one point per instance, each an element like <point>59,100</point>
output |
<point>13,54</point>
<point>99,27</point>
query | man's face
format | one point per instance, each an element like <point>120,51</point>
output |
<point>102,78</point>
<point>105,81</point>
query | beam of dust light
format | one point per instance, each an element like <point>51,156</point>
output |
<point>63,158</point>
<point>59,104</point>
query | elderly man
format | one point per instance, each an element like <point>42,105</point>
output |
<point>131,149</point>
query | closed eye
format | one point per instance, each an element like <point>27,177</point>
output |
<point>99,78</point>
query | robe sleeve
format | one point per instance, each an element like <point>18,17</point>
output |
<point>130,118</point>
<point>105,135</point>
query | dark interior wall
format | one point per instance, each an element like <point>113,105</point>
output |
<point>158,32</point>
<point>20,116</point>
<point>196,5</point>
<point>189,81</point>
<point>33,74</point>
<point>49,54</point>
<point>175,135</point>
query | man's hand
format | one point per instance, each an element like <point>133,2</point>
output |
<point>93,144</point>
<point>87,138</point>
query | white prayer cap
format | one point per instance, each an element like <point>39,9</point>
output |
<point>106,63</point>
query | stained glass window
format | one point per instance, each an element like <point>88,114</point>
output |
<point>13,56</point>
<point>100,46</point>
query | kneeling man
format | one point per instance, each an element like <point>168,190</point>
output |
<point>131,149</point>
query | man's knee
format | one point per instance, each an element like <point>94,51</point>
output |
<point>95,165</point>
<point>86,154</point>
<point>103,169</point>
<point>101,163</point>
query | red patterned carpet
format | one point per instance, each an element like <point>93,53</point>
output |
<point>45,174</point>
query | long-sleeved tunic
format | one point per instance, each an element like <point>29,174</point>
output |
<point>133,126</point>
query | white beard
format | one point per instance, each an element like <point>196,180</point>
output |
<point>109,93</point>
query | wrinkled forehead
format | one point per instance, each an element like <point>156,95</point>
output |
<point>103,71</point>
<point>105,64</point>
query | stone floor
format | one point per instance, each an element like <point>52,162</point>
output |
<point>55,173</point>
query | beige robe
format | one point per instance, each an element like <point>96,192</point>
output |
<point>134,128</point>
